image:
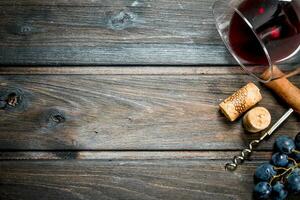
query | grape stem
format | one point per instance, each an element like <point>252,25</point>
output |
<point>287,171</point>
<point>280,175</point>
<point>280,168</point>
<point>296,151</point>
<point>294,161</point>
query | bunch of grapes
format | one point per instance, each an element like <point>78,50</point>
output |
<point>280,177</point>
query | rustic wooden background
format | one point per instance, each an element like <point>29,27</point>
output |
<point>105,99</point>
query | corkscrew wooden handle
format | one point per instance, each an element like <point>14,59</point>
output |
<point>283,88</point>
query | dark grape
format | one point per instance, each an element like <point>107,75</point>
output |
<point>280,160</point>
<point>296,156</point>
<point>287,161</point>
<point>262,190</point>
<point>265,172</point>
<point>279,192</point>
<point>295,172</point>
<point>297,141</point>
<point>293,183</point>
<point>285,144</point>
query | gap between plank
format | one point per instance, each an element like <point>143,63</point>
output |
<point>125,70</point>
<point>127,155</point>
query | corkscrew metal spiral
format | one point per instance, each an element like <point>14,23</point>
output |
<point>246,153</point>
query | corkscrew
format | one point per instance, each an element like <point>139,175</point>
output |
<point>246,153</point>
<point>289,93</point>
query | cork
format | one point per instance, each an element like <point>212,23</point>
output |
<point>257,119</point>
<point>241,101</point>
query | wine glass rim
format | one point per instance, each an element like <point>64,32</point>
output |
<point>270,67</point>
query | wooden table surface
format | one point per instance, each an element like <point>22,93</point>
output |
<point>119,100</point>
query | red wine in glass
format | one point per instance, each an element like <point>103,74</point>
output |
<point>275,27</point>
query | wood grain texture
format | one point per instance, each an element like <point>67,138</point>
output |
<point>123,32</point>
<point>120,70</point>
<point>123,180</point>
<point>129,155</point>
<point>105,32</point>
<point>131,70</point>
<point>105,3</point>
<point>120,126</point>
<point>102,32</point>
<point>124,112</point>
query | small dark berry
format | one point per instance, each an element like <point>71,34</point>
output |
<point>262,190</point>
<point>293,183</point>
<point>279,192</point>
<point>265,172</point>
<point>280,160</point>
<point>285,144</point>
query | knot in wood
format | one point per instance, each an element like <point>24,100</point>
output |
<point>52,118</point>
<point>58,118</point>
<point>21,28</point>
<point>13,99</point>
<point>122,20</point>
<point>25,30</point>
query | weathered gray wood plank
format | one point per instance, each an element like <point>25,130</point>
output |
<point>188,4</point>
<point>126,112</point>
<point>106,32</point>
<point>123,180</point>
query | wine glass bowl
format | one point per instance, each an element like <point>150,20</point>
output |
<point>259,33</point>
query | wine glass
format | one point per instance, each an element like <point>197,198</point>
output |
<point>259,33</point>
